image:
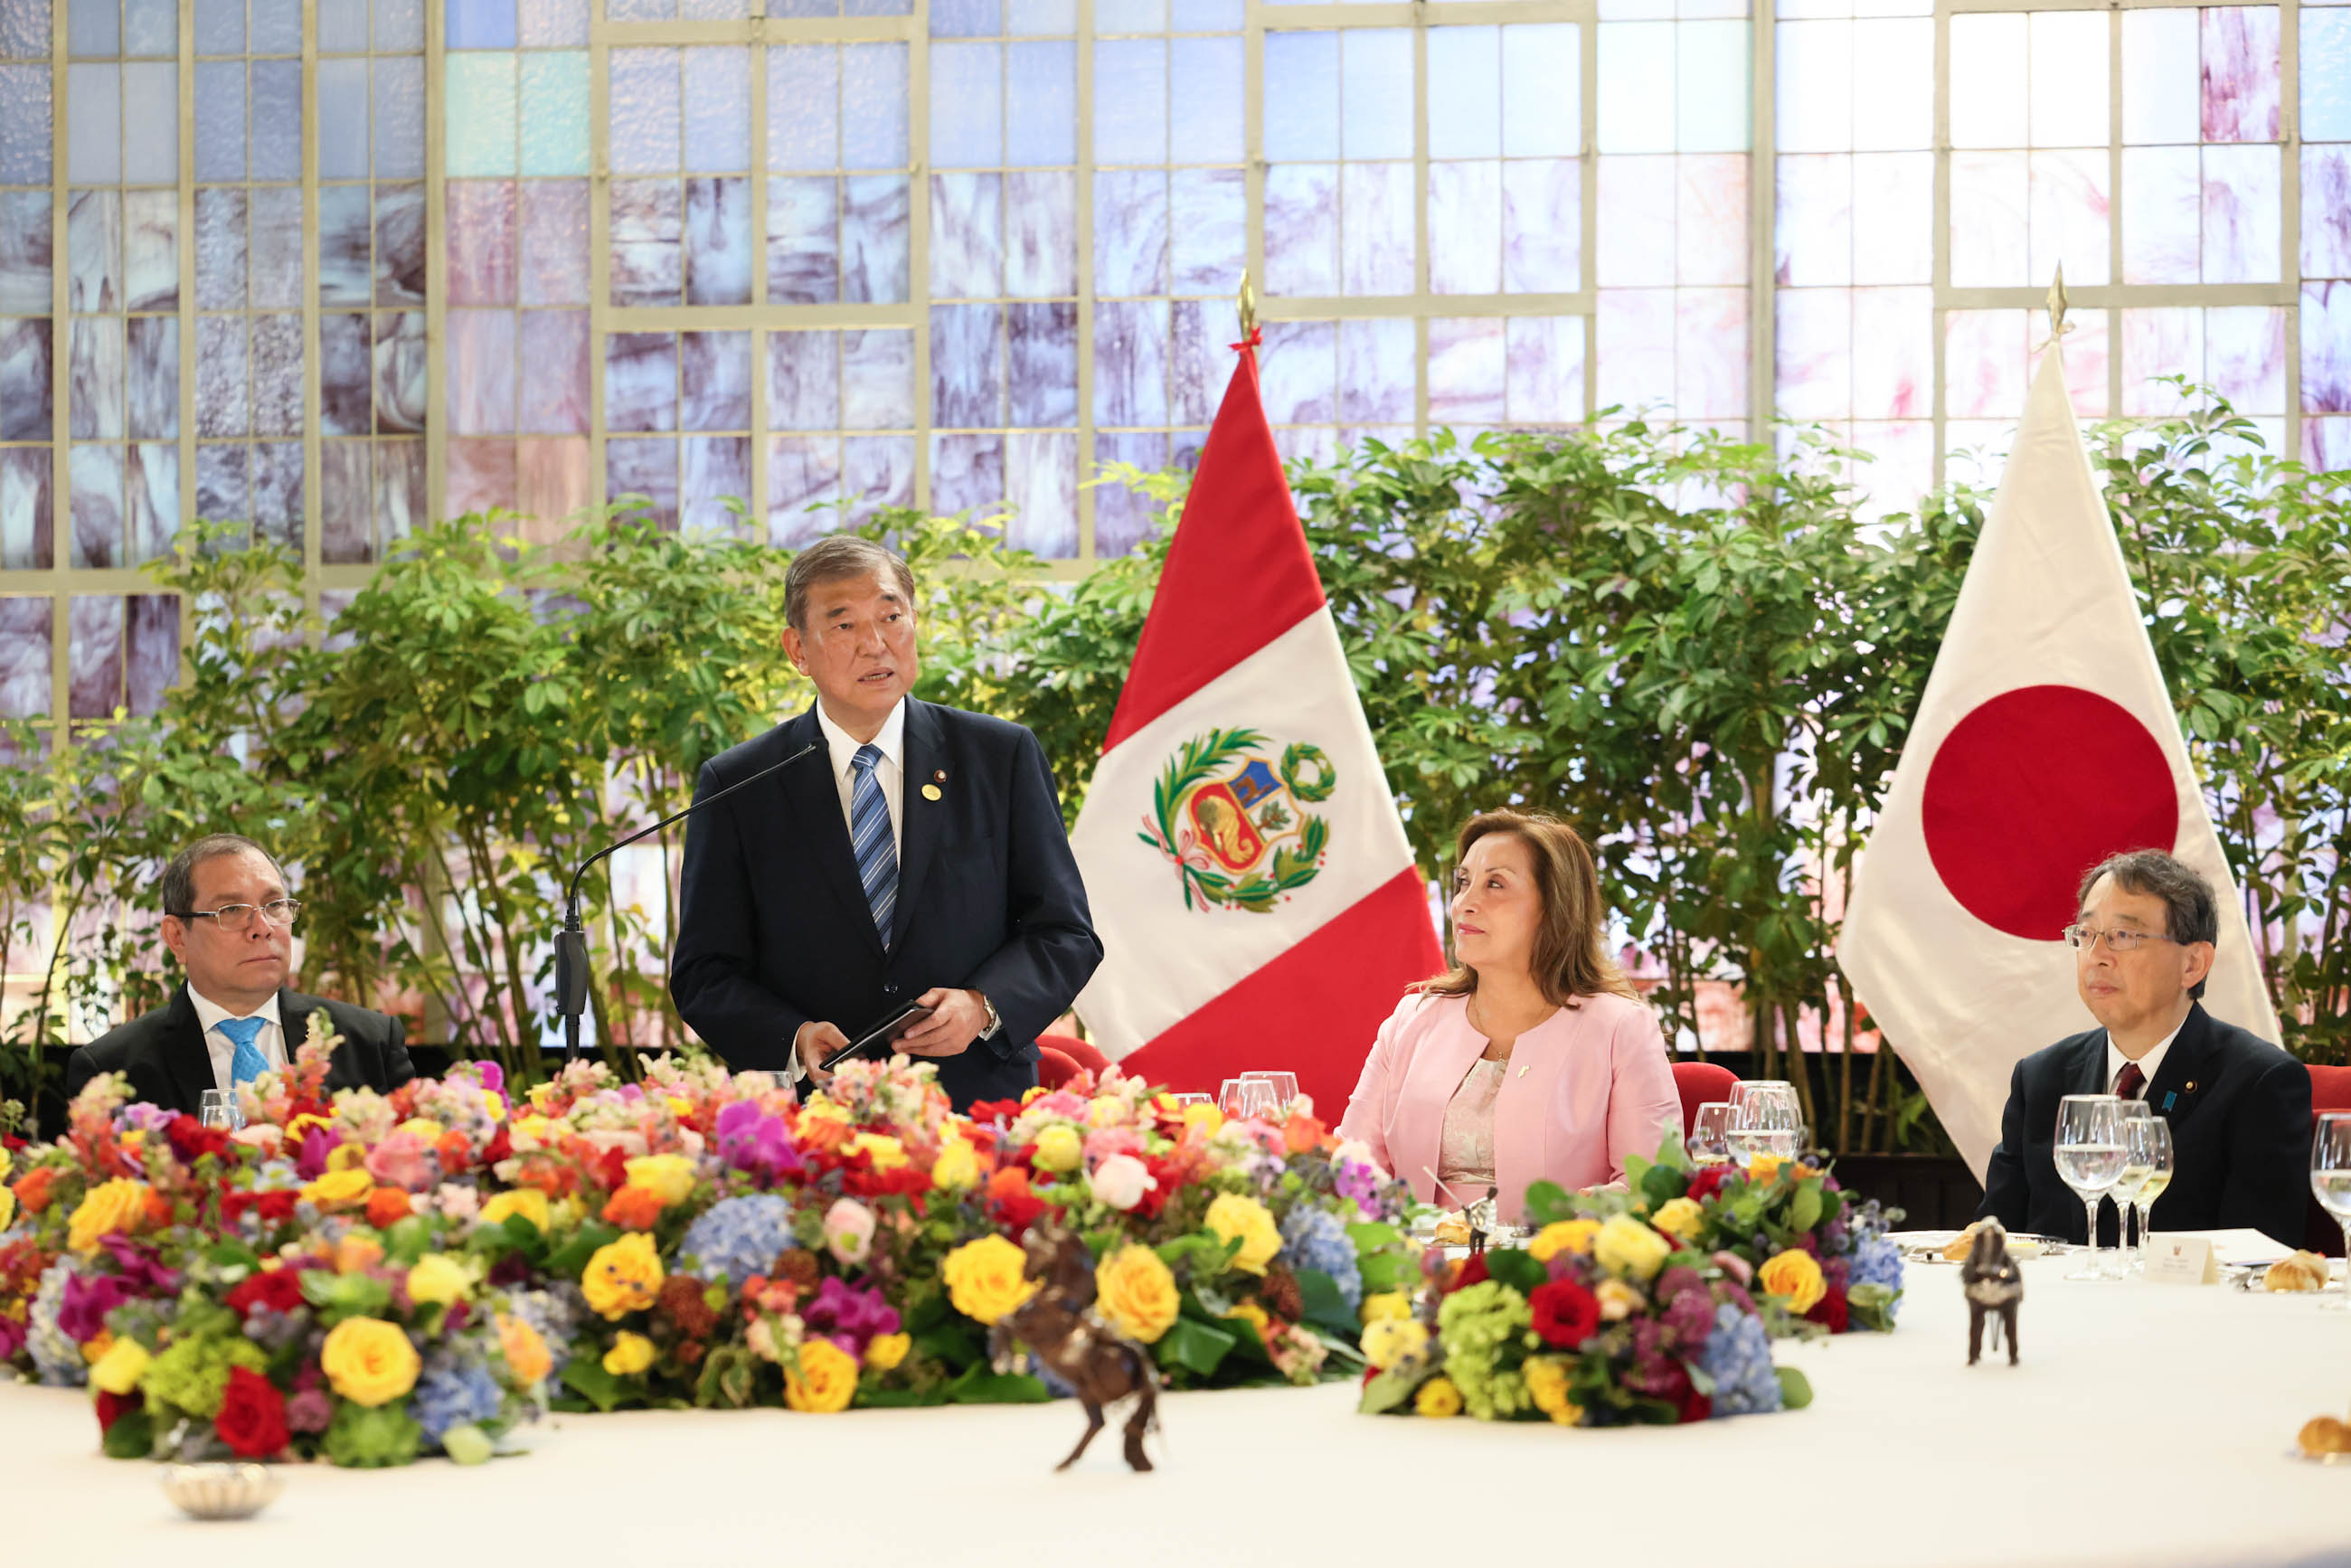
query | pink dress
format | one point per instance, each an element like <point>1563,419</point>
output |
<point>1581,1091</point>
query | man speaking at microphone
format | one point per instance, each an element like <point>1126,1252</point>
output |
<point>916,855</point>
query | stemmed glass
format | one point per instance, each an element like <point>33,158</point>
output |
<point>1710,1135</point>
<point>2149,1139</point>
<point>2330,1182</point>
<point>218,1108</point>
<point>1244,1098</point>
<point>2089,1156</point>
<point>2127,1186</point>
<point>1284,1086</point>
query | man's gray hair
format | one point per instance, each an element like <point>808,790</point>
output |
<point>179,884</point>
<point>2190,912</point>
<point>833,558</point>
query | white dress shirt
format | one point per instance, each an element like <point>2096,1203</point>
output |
<point>890,772</point>
<point>2148,1064</point>
<point>270,1041</point>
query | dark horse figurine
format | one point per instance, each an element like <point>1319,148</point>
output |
<point>1993,1283</point>
<point>1059,1324</point>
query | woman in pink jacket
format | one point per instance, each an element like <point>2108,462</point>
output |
<point>1535,1058</point>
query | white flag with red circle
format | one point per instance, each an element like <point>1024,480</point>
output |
<point>2045,742</point>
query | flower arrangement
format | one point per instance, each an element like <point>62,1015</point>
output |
<point>367,1277</point>
<point>1592,1324</point>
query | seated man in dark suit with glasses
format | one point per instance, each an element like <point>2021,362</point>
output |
<point>228,920</point>
<point>2238,1106</point>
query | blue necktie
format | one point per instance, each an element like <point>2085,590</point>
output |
<point>869,840</point>
<point>248,1063</point>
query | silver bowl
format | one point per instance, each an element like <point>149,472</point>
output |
<point>222,1490</point>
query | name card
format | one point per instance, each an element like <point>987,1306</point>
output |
<point>2182,1260</point>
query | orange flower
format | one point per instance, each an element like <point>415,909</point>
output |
<point>633,1208</point>
<point>823,1133</point>
<point>32,1190</point>
<point>1009,1182</point>
<point>528,1356</point>
<point>456,1153</point>
<point>356,1253</point>
<point>387,1207</point>
<point>159,1211</point>
<point>1301,1132</point>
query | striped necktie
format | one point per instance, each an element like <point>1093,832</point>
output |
<point>248,1063</point>
<point>869,837</point>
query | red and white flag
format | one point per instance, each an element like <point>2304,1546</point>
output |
<point>1256,899</point>
<point>2043,743</point>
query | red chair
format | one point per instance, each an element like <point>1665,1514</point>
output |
<point>1077,1050</point>
<point>1700,1083</point>
<point>1053,1067</point>
<point>2330,1089</point>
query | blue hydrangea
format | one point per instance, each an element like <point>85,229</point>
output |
<point>1316,1238</point>
<point>1739,1358</point>
<point>56,1356</point>
<point>739,1236</point>
<point>1878,1261</point>
<point>455,1393</point>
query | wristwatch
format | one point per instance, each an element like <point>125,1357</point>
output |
<point>994,1022</point>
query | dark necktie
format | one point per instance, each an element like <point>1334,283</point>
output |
<point>2130,1082</point>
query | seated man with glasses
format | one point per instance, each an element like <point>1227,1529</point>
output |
<point>228,920</point>
<point>2238,1106</point>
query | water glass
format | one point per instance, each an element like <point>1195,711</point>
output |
<point>1769,1115</point>
<point>2149,1140</point>
<point>2127,1186</point>
<point>2330,1183</point>
<point>1284,1086</point>
<point>1710,1135</point>
<point>1244,1098</point>
<point>2089,1156</point>
<point>218,1108</point>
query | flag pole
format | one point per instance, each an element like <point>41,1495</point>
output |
<point>1247,306</point>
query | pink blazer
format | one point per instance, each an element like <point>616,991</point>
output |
<point>1585,1088</point>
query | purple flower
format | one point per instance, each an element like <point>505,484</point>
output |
<point>317,1145</point>
<point>849,1317</point>
<point>143,1117</point>
<point>87,1300</point>
<point>1690,1316</point>
<point>1360,1180</point>
<point>1834,1238</point>
<point>12,1337</point>
<point>1653,1365</point>
<point>310,1411</point>
<point>141,1266</point>
<point>750,1140</point>
<point>1837,1272</point>
<point>1676,1279</point>
<point>493,1076</point>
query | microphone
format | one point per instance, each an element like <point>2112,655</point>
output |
<point>571,942</point>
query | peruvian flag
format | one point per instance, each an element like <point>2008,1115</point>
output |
<point>1256,898</point>
<point>2044,743</point>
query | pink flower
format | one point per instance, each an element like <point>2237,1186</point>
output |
<point>1102,1142</point>
<point>404,1160</point>
<point>1120,1181</point>
<point>849,1231</point>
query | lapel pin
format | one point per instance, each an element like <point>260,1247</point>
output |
<point>930,791</point>
<point>940,776</point>
<point>2192,1087</point>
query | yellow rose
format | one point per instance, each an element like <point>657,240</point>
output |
<point>1105,1111</point>
<point>986,1279</point>
<point>1136,1293</point>
<point>1626,1247</point>
<point>1387,1305</point>
<point>120,1205</point>
<point>888,1153</point>
<point>1563,1235</point>
<point>1059,1148</point>
<point>438,1278</point>
<point>1679,1217</point>
<point>1392,1342</point>
<point>345,1188</point>
<point>1618,1301</point>
<point>7,1203</point>
<point>1796,1276</point>
<point>527,1355</point>
<point>669,1178</point>
<point>121,1368</point>
<point>825,1381</point>
<point>624,1276</point>
<point>531,1131</point>
<point>1254,1315</point>
<point>1438,1398</point>
<point>1763,1167</point>
<point>1546,1378</point>
<point>886,1351</point>
<point>1233,1218</point>
<point>527,1201</point>
<point>346,1156</point>
<point>631,1353</point>
<point>679,1105</point>
<point>1203,1118</point>
<point>424,1128</point>
<point>7,1164</point>
<point>369,1361</point>
<point>956,1167</point>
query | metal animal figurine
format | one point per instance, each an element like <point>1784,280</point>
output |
<point>1059,1324</point>
<point>1994,1284</point>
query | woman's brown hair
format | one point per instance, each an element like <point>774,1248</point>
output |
<point>1568,960</point>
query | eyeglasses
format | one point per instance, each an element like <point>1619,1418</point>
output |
<point>2117,942</point>
<point>238,917</point>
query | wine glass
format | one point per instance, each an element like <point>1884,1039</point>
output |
<point>1241,1099</point>
<point>218,1108</point>
<point>2330,1182</point>
<point>1284,1085</point>
<point>1710,1135</point>
<point>2149,1137</point>
<point>2127,1186</point>
<point>2089,1156</point>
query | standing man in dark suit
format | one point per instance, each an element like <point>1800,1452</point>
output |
<point>916,855</point>
<point>2238,1106</point>
<point>228,920</point>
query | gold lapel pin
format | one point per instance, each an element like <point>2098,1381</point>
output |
<point>930,791</point>
<point>2192,1087</point>
<point>940,776</point>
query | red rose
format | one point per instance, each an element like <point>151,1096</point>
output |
<point>274,1208</point>
<point>279,1290</point>
<point>1565,1313</point>
<point>191,1140</point>
<point>985,1111</point>
<point>112,1407</point>
<point>1708,1181</point>
<point>1832,1309</point>
<point>252,1419</point>
<point>1470,1271</point>
<point>498,1148</point>
<point>1694,1407</point>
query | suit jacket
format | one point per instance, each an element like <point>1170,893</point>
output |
<point>1586,1088</point>
<point>165,1055</point>
<point>2239,1114</point>
<point>773,926</point>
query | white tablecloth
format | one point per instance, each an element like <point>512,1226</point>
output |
<point>2146,1425</point>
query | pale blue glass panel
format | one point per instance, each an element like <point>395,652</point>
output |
<point>1130,16</point>
<point>343,120</point>
<point>1041,19</point>
<point>220,26</point>
<point>967,366</point>
<point>1042,86</point>
<point>876,238</point>
<point>1301,229</point>
<point>1040,233</point>
<point>877,380</point>
<point>1712,60</point>
<point>966,472</point>
<point>220,119</point>
<point>94,251</point>
<point>1302,96</point>
<point>399,26</point>
<point>344,238</point>
<point>715,371</point>
<point>966,18</point>
<point>276,119</point>
<point>645,98</point>
<point>717,469</point>
<point>2162,77</point>
<point>25,31</point>
<point>1131,101</point>
<point>555,113</point>
<point>967,105</point>
<point>1465,92</point>
<point>277,27</point>
<point>1894,85</point>
<point>2326,76</point>
<point>1375,108</point>
<point>1040,484</point>
<point>1207,93</point>
<point>873,106</point>
<point>1043,340</point>
<point>150,123</point>
<point>399,118</point>
<point>1378,251</point>
<point>641,380</point>
<point>1378,373</point>
<point>1207,230</point>
<point>804,107</point>
<point>1543,90</point>
<point>803,380</point>
<point>94,123</point>
<point>640,10</point>
<point>1299,366</point>
<point>479,25</point>
<point>94,27</point>
<point>718,248</point>
<point>1205,16</point>
<point>804,240</point>
<point>553,23</point>
<point>24,125</point>
<point>968,235</point>
<point>1131,362</point>
<point>1131,231</point>
<point>712,10</point>
<point>718,108</point>
<point>150,27</point>
<point>343,27</point>
<point>26,253</point>
<point>482,105</point>
<point>879,8</point>
<point>1636,87</point>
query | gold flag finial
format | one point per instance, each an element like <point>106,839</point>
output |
<point>1248,306</point>
<point>2057,327</point>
